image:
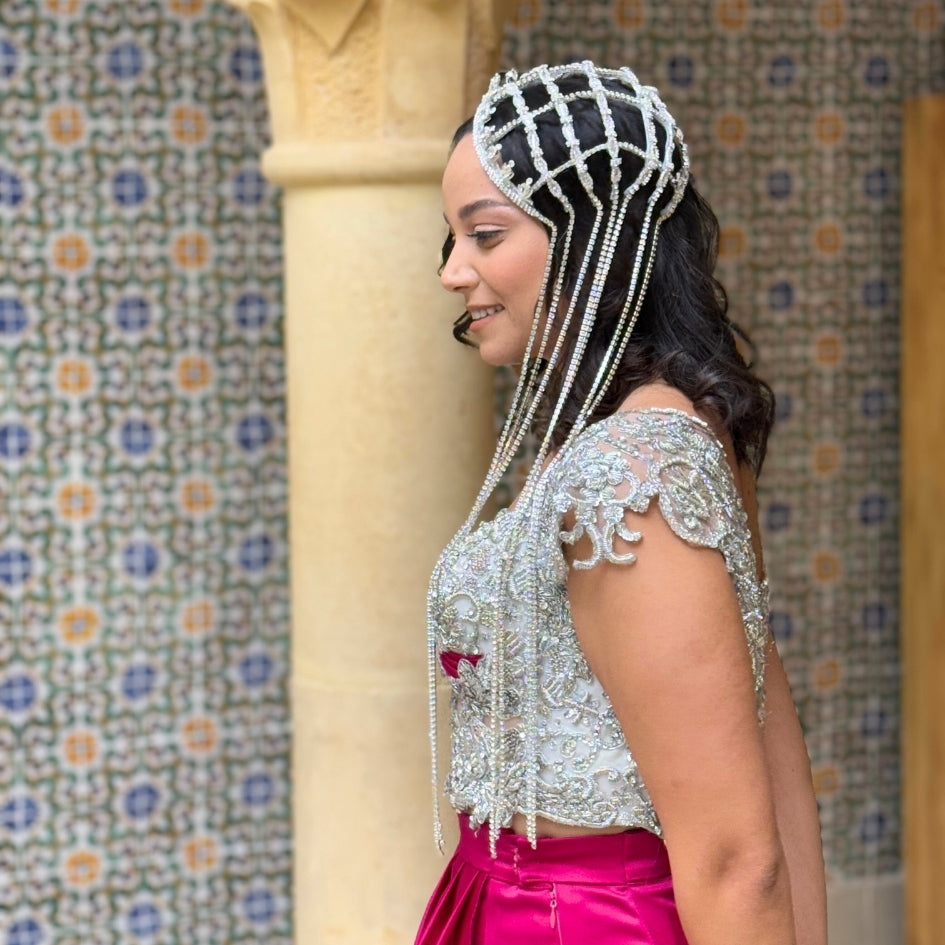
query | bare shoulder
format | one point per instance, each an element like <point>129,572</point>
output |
<point>657,395</point>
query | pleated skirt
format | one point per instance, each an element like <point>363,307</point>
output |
<point>612,889</point>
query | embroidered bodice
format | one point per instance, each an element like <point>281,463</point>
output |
<point>532,729</point>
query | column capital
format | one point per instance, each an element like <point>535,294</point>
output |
<point>381,83</point>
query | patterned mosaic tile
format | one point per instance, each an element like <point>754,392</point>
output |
<point>144,731</point>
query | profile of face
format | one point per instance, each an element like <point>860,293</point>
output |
<point>497,258</point>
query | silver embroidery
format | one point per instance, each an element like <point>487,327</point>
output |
<point>584,773</point>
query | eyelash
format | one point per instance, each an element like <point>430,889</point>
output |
<point>483,236</point>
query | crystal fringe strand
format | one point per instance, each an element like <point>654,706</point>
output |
<point>533,381</point>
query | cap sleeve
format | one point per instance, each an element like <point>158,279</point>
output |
<point>622,463</point>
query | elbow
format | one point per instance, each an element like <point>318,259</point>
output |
<point>750,872</point>
<point>758,868</point>
<point>736,892</point>
<point>764,877</point>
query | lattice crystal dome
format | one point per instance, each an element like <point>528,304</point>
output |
<point>549,93</point>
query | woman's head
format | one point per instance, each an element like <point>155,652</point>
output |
<point>626,292</point>
<point>596,159</point>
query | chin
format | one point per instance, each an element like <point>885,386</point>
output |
<point>500,358</point>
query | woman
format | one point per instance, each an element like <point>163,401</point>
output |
<point>626,759</point>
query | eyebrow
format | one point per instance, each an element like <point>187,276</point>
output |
<point>470,208</point>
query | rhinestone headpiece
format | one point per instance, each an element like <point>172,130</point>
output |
<point>525,105</point>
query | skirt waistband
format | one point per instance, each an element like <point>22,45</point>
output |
<point>635,856</point>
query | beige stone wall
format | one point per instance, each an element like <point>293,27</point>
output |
<point>390,428</point>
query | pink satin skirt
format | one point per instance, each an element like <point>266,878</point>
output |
<point>611,889</point>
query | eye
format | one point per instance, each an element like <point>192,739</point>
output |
<point>485,236</point>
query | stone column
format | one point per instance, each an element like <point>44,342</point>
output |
<point>390,427</point>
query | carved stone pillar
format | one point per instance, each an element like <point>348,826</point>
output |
<point>390,427</point>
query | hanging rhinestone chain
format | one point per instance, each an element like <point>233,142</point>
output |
<point>534,378</point>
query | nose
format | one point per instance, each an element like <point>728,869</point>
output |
<point>457,275</point>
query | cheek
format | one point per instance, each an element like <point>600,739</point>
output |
<point>518,274</point>
<point>514,279</point>
<point>530,272</point>
<point>539,262</point>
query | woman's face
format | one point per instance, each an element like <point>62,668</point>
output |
<point>497,261</point>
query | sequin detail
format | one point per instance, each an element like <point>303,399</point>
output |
<point>499,592</point>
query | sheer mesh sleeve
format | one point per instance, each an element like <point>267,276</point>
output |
<point>625,462</point>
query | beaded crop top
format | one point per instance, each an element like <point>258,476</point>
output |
<point>532,729</point>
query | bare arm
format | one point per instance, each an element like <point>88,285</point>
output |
<point>789,769</point>
<point>665,637</point>
<point>795,806</point>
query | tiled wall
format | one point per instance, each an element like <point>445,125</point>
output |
<point>792,114</point>
<point>144,733</point>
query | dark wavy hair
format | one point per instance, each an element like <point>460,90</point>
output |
<point>683,336</point>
